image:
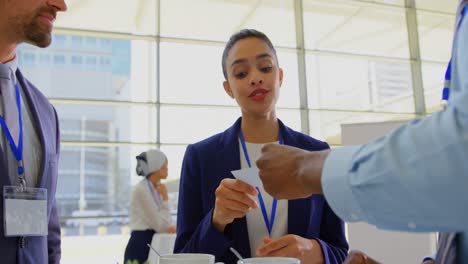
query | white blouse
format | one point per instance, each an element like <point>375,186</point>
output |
<point>148,210</point>
<point>256,225</point>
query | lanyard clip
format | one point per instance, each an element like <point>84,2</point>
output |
<point>21,175</point>
<point>22,184</point>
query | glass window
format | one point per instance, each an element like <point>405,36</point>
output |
<point>202,77</point>
<point>290,117</point>
<point>59,59</point>
<point>189,124</point>
<point>359,84</point>
<point>101,123</point>
<point>175,155</point>
<point>77,41</point>
<point>447,6</point>
<point>356,28</point>
<point>59,41</point>
<point>29,58</point>
<point>44,59</point>
<point>433,80</point>
<point>96,181</point>
<point>136,17</point>
<point>77,60</point>
<point>435,35</point>
<point>192,74</point>
<point>194,19</point>
<point>127,72</point>
<point>91,42</point>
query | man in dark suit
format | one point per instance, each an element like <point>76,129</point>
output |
<point>27,116</point>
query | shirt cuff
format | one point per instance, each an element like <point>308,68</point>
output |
<point>336,184</point>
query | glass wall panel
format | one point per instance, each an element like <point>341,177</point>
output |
<point>435,35</point>
<point>79,67</point>
<point>107,123</point>
<point>189,124</point>
<point>217,20</point>
<point>353,83</point>
<point>290,117</point>
<point>192,74</point>
<point>97,180</point>
<point>446,6</point>
<point>135,17</point>
<point>175,155</point>
<point>356,28</point>
<point>433,78</point>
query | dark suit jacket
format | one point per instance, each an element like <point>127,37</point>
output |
<point>206,163</point>
<point>36,249</point>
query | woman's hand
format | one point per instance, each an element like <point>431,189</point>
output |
<point>171,230</point>
<point>161,189</point>
<point>232,201</point>
<point>308,251</point>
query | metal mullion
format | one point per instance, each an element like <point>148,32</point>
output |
<point>158,75</point>
<point>416,71</point>
<point>301,65</point>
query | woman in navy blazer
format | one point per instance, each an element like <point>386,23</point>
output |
<point>216,211</point>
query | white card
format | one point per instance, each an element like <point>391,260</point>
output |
<point>248,175</point>
<point>26,217</point>
<point>25,211</point>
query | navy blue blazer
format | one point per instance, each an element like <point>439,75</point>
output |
<point>208,162</point>
<point>39,250</point>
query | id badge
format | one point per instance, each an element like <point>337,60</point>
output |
<point>25,211</point>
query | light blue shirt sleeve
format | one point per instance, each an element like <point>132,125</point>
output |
<point>416,178</point>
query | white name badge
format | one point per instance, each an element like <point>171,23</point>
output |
<point>25,211</point>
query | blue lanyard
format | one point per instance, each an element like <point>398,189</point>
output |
<point>448,72</point>
<point>17,150</point>
<point>268,223</point>
<point>156,196</point>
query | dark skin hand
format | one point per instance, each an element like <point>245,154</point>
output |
<point>291,173</point>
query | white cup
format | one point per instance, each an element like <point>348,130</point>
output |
<point>186,258</point>
<point>269,260</point>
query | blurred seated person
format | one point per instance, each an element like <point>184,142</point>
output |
<point>149,209</point>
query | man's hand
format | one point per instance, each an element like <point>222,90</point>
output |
<point>358,257</point>
<point>232,201</point>
<point>290,173</point>
<point>308,251</point>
